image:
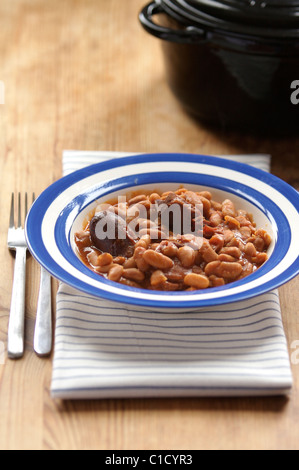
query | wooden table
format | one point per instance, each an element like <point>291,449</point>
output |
<point>83,74</point>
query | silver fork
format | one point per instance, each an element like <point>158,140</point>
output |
<point>16,242</point>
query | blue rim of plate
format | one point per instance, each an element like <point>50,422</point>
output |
<point>49,223</point>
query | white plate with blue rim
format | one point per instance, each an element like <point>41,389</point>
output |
<point>61,209</point>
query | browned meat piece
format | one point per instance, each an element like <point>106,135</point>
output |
<point>109,233</point>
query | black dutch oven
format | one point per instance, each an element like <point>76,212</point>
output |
<point>233,63</point>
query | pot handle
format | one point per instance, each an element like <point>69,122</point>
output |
<point>188,35</point>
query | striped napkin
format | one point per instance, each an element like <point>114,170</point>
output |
<point>109,350</point>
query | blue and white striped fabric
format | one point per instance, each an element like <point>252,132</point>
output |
<point>108,350</point>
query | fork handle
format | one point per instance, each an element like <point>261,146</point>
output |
<point>43,325</point>
<point>15,342</point>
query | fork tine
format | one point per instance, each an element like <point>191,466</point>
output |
<point>12,212</point>
<point>26,205</point>
<point>19,211</point>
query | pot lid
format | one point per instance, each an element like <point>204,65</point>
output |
<point>265,18</point>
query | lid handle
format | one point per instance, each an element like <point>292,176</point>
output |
<point>186,36</point>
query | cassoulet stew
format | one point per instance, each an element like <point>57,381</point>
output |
<point>175,241</point>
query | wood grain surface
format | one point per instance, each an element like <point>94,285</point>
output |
<point>83,74</point>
